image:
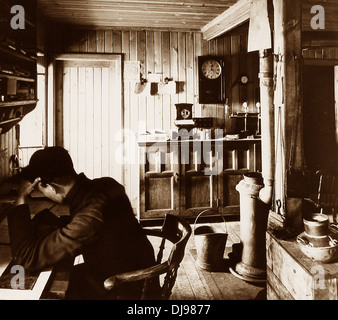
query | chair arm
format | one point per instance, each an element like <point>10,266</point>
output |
<point>154,232</point>
<point>132,276</point>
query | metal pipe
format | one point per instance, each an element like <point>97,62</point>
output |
<point>267,124</point>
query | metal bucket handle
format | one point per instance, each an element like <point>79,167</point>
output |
<point>226,229</point>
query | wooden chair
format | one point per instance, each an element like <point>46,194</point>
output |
<point>174,230</point>
<point>327,191</point>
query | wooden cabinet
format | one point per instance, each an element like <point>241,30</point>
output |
<point>159,180</point>
<point>17,68</point>
<point>187,176</point>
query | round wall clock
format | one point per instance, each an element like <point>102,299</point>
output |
<point>211,69</point>
<point>211,78</point>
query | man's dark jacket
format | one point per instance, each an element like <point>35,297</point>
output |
<point>102,228</point>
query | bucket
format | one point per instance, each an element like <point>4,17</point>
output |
<point>210,245</point>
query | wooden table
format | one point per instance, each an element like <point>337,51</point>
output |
<point>50,284</point>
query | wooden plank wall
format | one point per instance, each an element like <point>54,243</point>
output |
<point>174,55</point>
<point>8,147</point>
<point>320,53</point>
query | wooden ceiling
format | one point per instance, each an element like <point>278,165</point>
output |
<point>140,14</point>
<point>177,15</point>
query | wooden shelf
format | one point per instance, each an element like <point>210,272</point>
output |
<point>17,53</point>
<point>245,115</point>
<point>17,103</point>
<point>11,76</point>
<point>6,125</point>
<point>10,121</point>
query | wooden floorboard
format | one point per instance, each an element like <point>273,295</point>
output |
<point>193,283</point>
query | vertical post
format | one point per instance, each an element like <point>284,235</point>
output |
<point>288,102</point>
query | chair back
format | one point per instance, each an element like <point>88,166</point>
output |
<point>177,231</point>
<point>327,190</point>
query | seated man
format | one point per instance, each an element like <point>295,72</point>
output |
<point>102,227</point>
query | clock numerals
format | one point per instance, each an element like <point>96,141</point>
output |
<point>211,69</point>
<point>185,113</point>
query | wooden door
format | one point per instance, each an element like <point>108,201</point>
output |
<point>198,187</point>
<point>89,112</point>
<point>159,180</point>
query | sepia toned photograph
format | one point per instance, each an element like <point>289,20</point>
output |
<point>168,150</point>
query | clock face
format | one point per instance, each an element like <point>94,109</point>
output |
<point>211,69</point>
<point>244,79</point>
<point>185,113</point>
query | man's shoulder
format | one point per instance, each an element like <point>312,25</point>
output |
<point>108,185</point>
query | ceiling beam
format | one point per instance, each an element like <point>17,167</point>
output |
<point>229,19</point>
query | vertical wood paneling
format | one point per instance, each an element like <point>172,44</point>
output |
<point>8,147</point>
<point>73,114</point>
<point>97,123</point>
<point>66,106</point>
<point>142,98</point>
<point>198,52</point>
<point>100,41</point>
<point>158,69</point>
<point>58,117</point>
<point>117,42</point>
<point>83,42</point>
<point>108,41</point>
<point>174,73</point>
<point>91,41</point>
<point>150,61</point>
<point>105,121</point>
<point>89,138</point>
<point>190,64</point>
<point>166,101</point>
<point>116,120</point>
<point>182,66</point>
<point>81,163</point>
<point>129,169</point>
<point>235,71</point>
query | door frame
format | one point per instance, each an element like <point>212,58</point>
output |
<point>54,120</point>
